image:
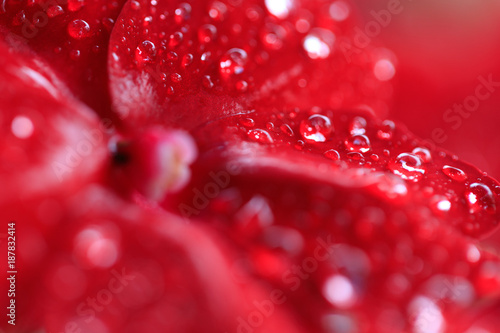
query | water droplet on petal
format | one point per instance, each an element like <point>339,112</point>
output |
<point>218,11</point>
<point>259,135</point>
<point>358,126</point>
<point>454,173</point>
<point>319,43</point>
<point>182,13</point>
<point>279,8</point>
<point>423,153</point>
<point>317,128</point>
<point>247,122</point>
<point>285,129</point>
<point>175,39</point>
<point>145,52</point>
<point>440,204</point>
<point>384,70</point>
<point>386,130</point>
<point>358,144</point>
<point>54,11</point>
<point>480,198</point>
<point>233,62</point>
<point>187,60</point>
<point>339,291</point>
<point>74,5</point>
<point>332,154</point>
<point>206,33</point>
<point>339,11</point>
<point>407,166</point>
<point>22,127</point>
<point>78,29</point>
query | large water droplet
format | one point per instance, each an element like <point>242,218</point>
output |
<point>145,52</point>
<point>260,136</point>
<point>78,29</point>
<point>233,62</point>
<point>319,43</point>
<point>316,128</point>
<point>480,198</point>
<point>407,166</point>
<point>358,144</point>
<point>54,11</point>
<point>454,173</point>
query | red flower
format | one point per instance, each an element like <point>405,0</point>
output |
<point>239,175</point>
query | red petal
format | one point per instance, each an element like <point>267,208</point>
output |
<point>72,36</point>
<point>184,64</point>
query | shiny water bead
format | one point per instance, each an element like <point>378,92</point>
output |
<point>358,144</point>
<point>407,166</point>
<point>78,29</point>
<point>182,13</point>
<point>286,129</point>
<point>454,173</point>
<point>233,63</point>
<point>259,135</point>
<point>423,153</point>
<point>480,198</point>
<point>175,39</point>
<point>316,128</point>
<point>319,43</point>
<point>145,52</point>
<point>332,154</point>
<point>386,131</point>
<point>206,33</point>
<point>247,122</point>
<point>358,126</point>
<point>54,11</point>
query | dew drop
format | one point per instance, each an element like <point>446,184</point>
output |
<point>279,8</point>
<point>233,62</point>
<point>358,144</point>
<point>339,291</point>
<point>217,11</point>
<point>187,60</point>
<point>74,5</point>
<point>407,166</point>
<point>339,11</point>
<point>241,86</point>
<point>247,122</point>
<point>440,204</point>
<point>386,130</point>
<point>182,13</point>
<point>480,198</point>
<point>22,127</point>
<point>423,153</point>
<point>175,39</point>
<point>207,82</point>
<point>259,135</point>
<point>358,126</point>
<point>454,173</point>
<point>287,130</point>
<point>145,52</point>
<point>206,33</point>
<point>175,77</point>
<point>135,5</point>
<point>332,154</point>
<point>54,11</point>
<point>318,44</point>
<point>316,128</point>
<point>384,70</point>
<point>79,29</point>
